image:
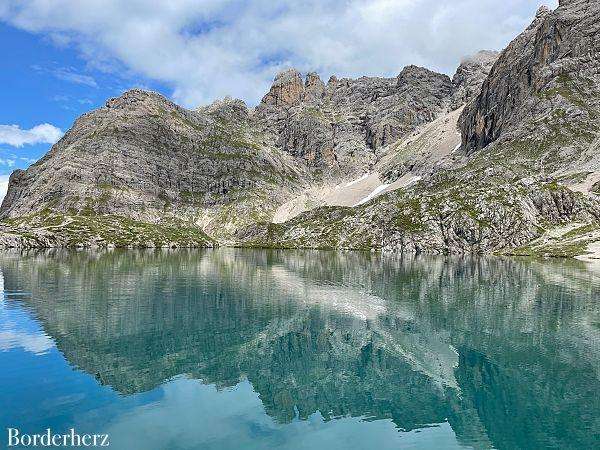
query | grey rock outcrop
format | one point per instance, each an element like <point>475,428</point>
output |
<point>470,75</point>
<point>475,217</point>
<point>287,89</point>
<point>545,83</point>
<point>143,157</point>
<point>339,128</point>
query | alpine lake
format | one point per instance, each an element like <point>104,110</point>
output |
<point>284,349</point>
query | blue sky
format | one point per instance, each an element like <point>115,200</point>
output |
<point>43,83</point>
<point>62,58</point>
<point>27,95</point>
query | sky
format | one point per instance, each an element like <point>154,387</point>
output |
<point>61,58</point>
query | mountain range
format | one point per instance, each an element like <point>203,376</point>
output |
<point>504,157</point>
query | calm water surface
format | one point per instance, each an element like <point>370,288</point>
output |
<point>228,349</point>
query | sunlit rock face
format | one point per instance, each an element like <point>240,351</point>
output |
<point>417,341</point>
<point>142,157</point>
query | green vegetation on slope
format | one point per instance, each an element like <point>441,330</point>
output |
<point>49,229</point>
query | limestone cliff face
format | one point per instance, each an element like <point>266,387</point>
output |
<point>340,128</point>
<point>470,75</point>
<point>287,89</point>
<point>545,82</point>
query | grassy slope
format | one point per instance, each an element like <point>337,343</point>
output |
<point>50,229</point>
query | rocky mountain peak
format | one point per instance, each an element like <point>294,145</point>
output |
<point>339,128</point>
<point>542,11</point>
<point>230,109</point>
<point>413,72</point>
<point>482,58</point>
<point>287,89</point>
<point>132,97</point>
<point>314,85</point>
<point>313,79</point>
<point>416,82</point>
<point>547,74</point>
<point>287,76</point>
<point>470,75</point>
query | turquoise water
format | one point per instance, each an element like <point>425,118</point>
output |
<point>228,349</point>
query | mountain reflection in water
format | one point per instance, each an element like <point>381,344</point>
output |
<point>506,352</point>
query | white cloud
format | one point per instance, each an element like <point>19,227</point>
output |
<point>10,162</point>
<point>68,74</point>
<point>37,343</point>
<point>40,134</point>
<point>206,49</point>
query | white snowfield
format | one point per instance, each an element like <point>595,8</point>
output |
<point>352,183</point>
<point>378,190</point>
<point>350,194</point>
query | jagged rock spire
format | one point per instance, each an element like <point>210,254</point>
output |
<point>314,85</point>
<point>287,89</point>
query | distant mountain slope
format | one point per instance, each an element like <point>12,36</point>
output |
<point>503,157</point>
<point>219,168</point>
<point>145,158</point>
<point>523,179</point>
<point>341,127</point>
